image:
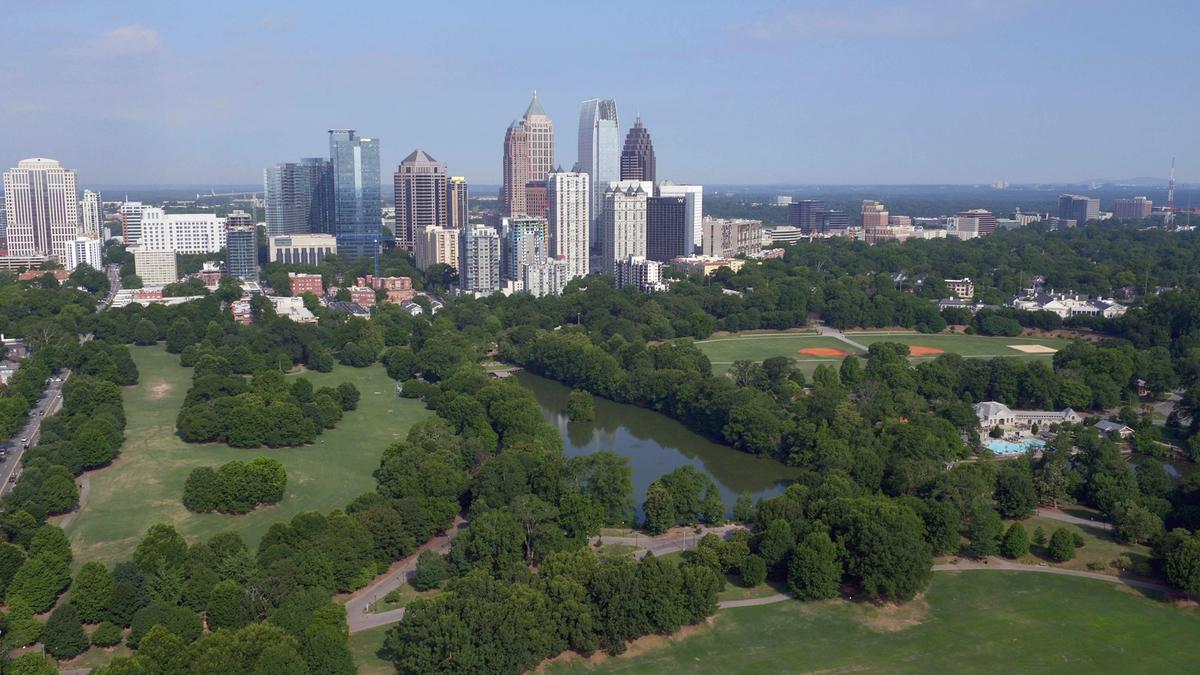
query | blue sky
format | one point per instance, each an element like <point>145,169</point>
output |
<point>849,91</point>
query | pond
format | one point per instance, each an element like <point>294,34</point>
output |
<point>656,444</point>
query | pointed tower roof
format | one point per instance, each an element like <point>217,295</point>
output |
<point>535,106</point>
<point>418,156</point>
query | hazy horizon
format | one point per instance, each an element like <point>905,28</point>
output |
<point>918,92</point>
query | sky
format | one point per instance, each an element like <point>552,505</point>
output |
<point>824,92</point>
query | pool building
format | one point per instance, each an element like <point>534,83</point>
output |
<point>993,414</point>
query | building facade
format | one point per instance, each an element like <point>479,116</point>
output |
<point>524,242</point>
<point>640,273</point>
<point>637,157</point>
<point>181,232</point>
<point>1078,208</point>
<point>84,251</point>
<point>805,214</point>
<point>668,230</point>
<point>624,222</point>
<point>694,207</point>
<point>131,222</point>
<point>436,245</point>
<point>241,253</point>
<point>528,156</point>
<point>985,220</point>
<point>731,237</point>
<point>41,201</point>
<point>358,220</point>
<point>91,215</point>
<point>155,268</point>
<point>301,249</point>
<point>422,187</point>
<point>599,155</point>
<point>456,203</point>
<point>306,283</point>
<point>299,197</point>
<point>479,271</point>
<point>548,276</point>
<point>569,217</point>
<point>874,220</point>
<point>1136,208</point>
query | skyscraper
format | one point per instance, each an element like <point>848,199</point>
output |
<point>91,214</point>
<point>637,158</point>
<point>42,208</point>
<point>131,217</point>
<point>1135,208</point>
<point>358,221</point>
<point>480,252</point>
<point>528,155</point>
<point>874,220</point>
<point>456,203</point>
<point>694,207</point>
<point>599,155</point>
<point>568,195</point>
<point>806,214</point>
<point>524,243</point>
<point>624,222</point>
<point>1078,208</point>
<point>436,245</point>
<point>299,197</point>
<point>987,221</point>
<point>668,230</point>
<point>241,253</point>
<point>421,195</point>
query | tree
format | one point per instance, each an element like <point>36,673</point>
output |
<point>776,543</point>
<point>179,335</point>
<point>1015,542</point>
<point>1015,493</point>
<point>64,637</point>
<point>1182,561</point>
<point>145,332</point>
<point>349,395</point>
<point>1135,523</point>
<point>754,571</point>
<point>1062,545</point>
<point>225,606</point>
<point>325,651</point>
<point>203,490</point>
<point>91,592</point>
<point>32,663</point>
<point>580,406</point>
<point>39,581</point>
<point>814,571</point>
<point>11,558</point>
<point>1039,536</point>
<point>107,634</point>
<point>744,510</point>
<point>659,509</point>
<point>180,621</point>
<point>431,569</point>
<point>161,548</point>
<point>319,359</point>
<point>984,533</point>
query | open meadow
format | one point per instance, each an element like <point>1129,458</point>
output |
<point>144,485</point>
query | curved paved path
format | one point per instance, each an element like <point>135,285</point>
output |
<point>675,539</point>
<point>1075,520</point>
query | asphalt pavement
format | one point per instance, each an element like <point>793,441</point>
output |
<point>47,405</point>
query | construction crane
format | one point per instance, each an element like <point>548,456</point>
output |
<point>1169,216</point>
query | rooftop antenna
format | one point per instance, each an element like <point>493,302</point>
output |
<point>1169,217</point>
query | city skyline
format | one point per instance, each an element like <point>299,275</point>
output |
<point>853,93</point>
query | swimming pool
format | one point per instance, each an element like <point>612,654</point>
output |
<point>1009,448</point>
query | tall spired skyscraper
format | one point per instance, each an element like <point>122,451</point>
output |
<point>41,200</point>
<point>528,156</point>
<point>421,193</point>
<point>599,155</point>
<point>358,221</point>
<point>637,159</point>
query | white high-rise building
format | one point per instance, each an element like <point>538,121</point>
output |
<point>132,231</point>
<point>546,277</point>
<point>42,208</point>
<point>84,251</point>
<point>599,154</point>
<point>624,221</point>
<point>569,213</point>
<point>91,215</point>
<point>181,232</point>
<point>524,241</point>
<point>433,245</point>
<point>693,206</point>
<point>635,270</point>
<point>155,268</point>
<point>480,268</point>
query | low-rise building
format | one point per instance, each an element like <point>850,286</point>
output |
<point>293,309</point>
<point>961,288</point>
<point>1067,305</point>
<point>210,273</point>
<point>60,275</point>
<point>306,283</point>
<point>362,295</point>
<point>995,414</point>
<point>731,237</point>
<point>705,264</point>
<point>301,249</point>
<point>1109,428</point>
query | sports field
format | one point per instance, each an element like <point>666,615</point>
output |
<point>145,484</point>
<point>971,621</point>
<point>811,350</point>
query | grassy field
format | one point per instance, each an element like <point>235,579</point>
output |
<point>365,647</point>
<point>1099,548</point>
<point>144,485</point>
<point>973,621</point>
<point>723,351</point>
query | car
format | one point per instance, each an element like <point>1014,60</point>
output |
<point>24,440</point>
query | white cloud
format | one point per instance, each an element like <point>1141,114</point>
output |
<point>857,18</point>
<point>132,40</point>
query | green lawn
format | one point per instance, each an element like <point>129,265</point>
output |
<point>144,485</point>
<point>976,346</point>
<point>972,621</point>
<point>401,597</point>
<point>1099,547</point>
<point>365,647</point>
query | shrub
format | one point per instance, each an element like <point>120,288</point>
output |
<point>64,637</point>
<point>1015,543</point>
<point>106,634</point>
<point>1062,545</point>
<point>236,487</point>
<point>754,571</point>
<point>580,406</point>
<point>183,622</point>
<point>431,569</point>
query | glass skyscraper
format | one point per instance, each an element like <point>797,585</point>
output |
<point>299,197</point>
<point>358,221</point>
<point>599,155</point>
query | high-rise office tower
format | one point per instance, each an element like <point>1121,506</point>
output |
<point>91,215</point>
<point>524,243</point>
<point>421,195</point>
<point>42,208</point>
<point>668,231</point>
<point>568,196</point>
<point>987,221</point>
<point>535,198</point>
<point>1135,208</point>
<point>624,221</point>
<point>436,245</point>
<point>806,214</point>
<point>299,197</point>
<point>131,215</point>
<point>874,220</point>
<point>183,232</point>
<point>637,158</point>
<point>358,221</point>
<point>599,155</point>
<point>1078,208</point>
<point>480,252</point>
<point>456,203</point>
<point>241,253</point>
<point>528,155</point>
<point>694,207</point>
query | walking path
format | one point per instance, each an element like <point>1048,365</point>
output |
<point>675,539</point>
<point>85,489</point>
<point>839,335</point>
<point>1055,514</point>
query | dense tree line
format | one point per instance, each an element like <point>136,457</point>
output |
<point>235,487</point>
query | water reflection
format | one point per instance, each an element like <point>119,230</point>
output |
<point>656,444</point>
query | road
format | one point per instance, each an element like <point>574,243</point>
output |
<point>47,405</point>
<point>114,283</point>
<point>358,607</point>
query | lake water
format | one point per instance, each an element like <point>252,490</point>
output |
<point>656,444</point>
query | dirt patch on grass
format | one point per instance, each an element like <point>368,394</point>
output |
<point>160,389</point>
<point>829,352</point>
<point>642,645</point>
<point>919,350</point>
<point>1033,349</point>
<point>894,618</point>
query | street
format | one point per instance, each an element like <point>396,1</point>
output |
<point>47,405</point>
